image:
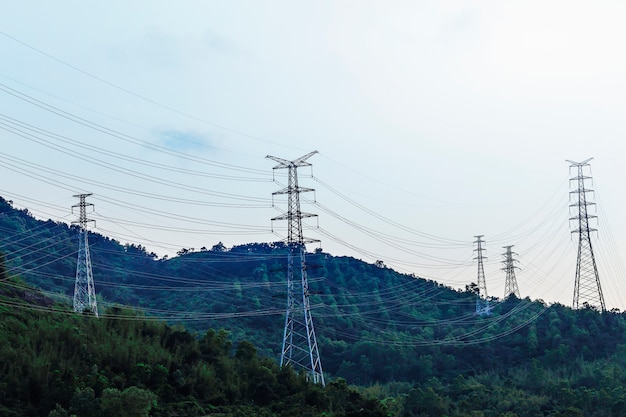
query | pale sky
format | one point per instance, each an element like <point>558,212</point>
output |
<point>434,121</point>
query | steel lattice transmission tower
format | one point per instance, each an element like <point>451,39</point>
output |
<point>482,303</point>
<point>84,290</point>
<point>510,285</point>
<point>587,289</point>
<point>299,343</point>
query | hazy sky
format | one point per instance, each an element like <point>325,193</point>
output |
<point>435,122</point>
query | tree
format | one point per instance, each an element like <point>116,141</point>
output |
<point>424,403</point>
<point>219,248</point>
<point>111,403</point>
<point>58,412</point>
<point>138,402</point>
<point>245,351</point>
<point>84,403</point>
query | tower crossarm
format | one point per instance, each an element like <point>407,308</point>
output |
<point>581,177</point>
<point>300,162</point>
<point>583,229</point>
<point>287,216</point>
<point>288,190</point>
<point>586,203</point>
<point>573,164</point>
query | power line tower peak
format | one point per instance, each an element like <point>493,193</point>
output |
<point>299,348</point>
<point>587,289</point>
<point>84,289</point>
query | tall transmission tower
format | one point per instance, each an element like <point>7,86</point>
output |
<point>587,289</point>
<point>510,285</point>
<point>84,290</point>
<point>482,303</point>
<point>299,348</point>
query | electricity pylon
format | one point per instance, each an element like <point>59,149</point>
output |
<point>482,303</point>
<point>84,290</point>
<point>587,289</point>
<point>299,343</point>
<point>510,285</point>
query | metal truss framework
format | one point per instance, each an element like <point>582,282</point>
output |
<point>510,285</point>
<point>482,301</point>
<point>299,348</point>
<point>84,289</point>
<point>587,289</point>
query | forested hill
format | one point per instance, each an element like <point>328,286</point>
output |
<point>357,307</point>
<point>374,325</point>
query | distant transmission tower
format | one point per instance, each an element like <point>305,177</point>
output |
<point>510,285</point>
<point>84,291</point>
<point>482,303</point>
<point>299,343</point>
<point>587,290</point>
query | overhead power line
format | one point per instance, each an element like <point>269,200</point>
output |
<point>139,96</point>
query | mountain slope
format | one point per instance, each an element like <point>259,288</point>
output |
<point>373,324</point>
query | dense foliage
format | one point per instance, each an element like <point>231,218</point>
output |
<point>414,344</point>
<point>54,363</point>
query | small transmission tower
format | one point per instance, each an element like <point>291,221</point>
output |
<point>510,285</point>
<point>587,290</point>
<point>299,343</point>
<point>482,303</point>
<point>84,290</point>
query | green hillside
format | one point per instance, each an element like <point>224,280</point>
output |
<point>414,344</point>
